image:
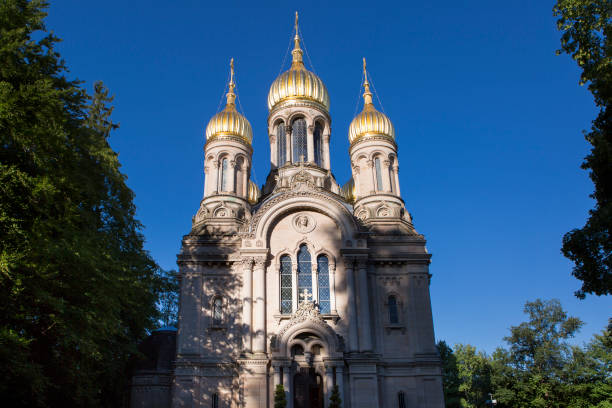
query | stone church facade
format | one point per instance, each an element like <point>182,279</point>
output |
<point>303,283</point>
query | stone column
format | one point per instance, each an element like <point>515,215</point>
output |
<point>329,383</point>
<point>332,289</point>
<point>206,180</point>
<point>277,375</point>
<point>247,303</point>
<point>357,180</point>
<point>259,312</point>
<point>386,180</point>
<point>365,332</point>
<point>326,160</point>
<point>287,385</point>
<point>396,175</point>
<point>215,173</point>
<point>231,188</point>
<point>274,151</point>
<point>294,291</point>
<point>315,281</point>
<point>340,383</point>
<point>288,158</point>
<point>352,306</point>
<point>310,143</point>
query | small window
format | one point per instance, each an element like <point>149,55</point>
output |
<point>299,141</point>
<point>224,175</point>
<point>215,400</point>
<point>393,314</point>
<point>286,285</point>
<point>217,312</point>
<point>323,283</point>
<point>379,185</point>
<point>297,350</point>
<point>281,144</point>
<point>401,399</point>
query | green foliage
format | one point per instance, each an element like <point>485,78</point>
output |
<point>450,375</point>
<point>334,399</point>
<point>587,29</point>
<point>539,368</point>
<point>167,303</point>
<point>280,401</point>
<point>77,289</point>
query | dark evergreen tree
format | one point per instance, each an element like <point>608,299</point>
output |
<point>587,37</point>
<point>334,399</point>
<point>280,401</point>
<point>77,289</point>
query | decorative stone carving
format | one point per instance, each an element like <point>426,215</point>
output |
<point>303,223</point>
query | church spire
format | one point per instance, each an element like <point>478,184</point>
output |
<point>231,96</point>
<point>297,52</point>
<point>367,95</point>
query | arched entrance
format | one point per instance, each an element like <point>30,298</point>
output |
<point>308,389</point>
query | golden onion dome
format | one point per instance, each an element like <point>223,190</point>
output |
<point>229,122</point>
<point>348,191</point>
<point>254,193</point>
<point>298,84</point>
<point>369,122</point>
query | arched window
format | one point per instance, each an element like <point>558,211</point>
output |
<point>217,312</point>
<point>281,145</point>
<point>224,175</point>
<point>379,185</point>
<point>401,399</point>
<point>323,283</point>
<point>215,401</point>
<point>393,315</point>
<point>286,285</point>
<point>304,272</point>
<point>391,177</point>
<point>318,143</point>
<point>298,140</point>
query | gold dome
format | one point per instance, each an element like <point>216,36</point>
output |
<point>348,191</point>
<point>369,122</point>
<point>253,193</point>
<point>298,83</point>
<point>229,122</point>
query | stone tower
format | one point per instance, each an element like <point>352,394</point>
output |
<point>305,284</point>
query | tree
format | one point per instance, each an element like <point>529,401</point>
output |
<point>474,372</point>
<point>587,30</point>
<point>168,299</point>
<point>77,289</point>
<point>280,401</point>
<point>450,375</point>
<point>334,399</point>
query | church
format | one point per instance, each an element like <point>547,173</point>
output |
<point>302,282</point>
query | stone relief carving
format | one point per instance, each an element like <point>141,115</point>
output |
<point>303,223</point>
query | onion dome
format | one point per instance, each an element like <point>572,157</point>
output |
<point>229,122</point>
<point>370,122</point>
<point>253,193</point>
<point>348,191</point>
<point>298,84</point>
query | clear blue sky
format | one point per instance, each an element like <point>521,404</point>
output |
<point>488,122</point>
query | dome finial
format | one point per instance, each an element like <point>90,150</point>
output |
<point>367,95</point>
<point>297,53</point>
<point>231,96</point>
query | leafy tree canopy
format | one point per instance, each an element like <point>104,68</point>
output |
<point>77,289</point>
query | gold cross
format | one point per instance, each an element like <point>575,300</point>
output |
<point>305,295</point>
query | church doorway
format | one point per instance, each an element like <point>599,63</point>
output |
<point>308,389</point>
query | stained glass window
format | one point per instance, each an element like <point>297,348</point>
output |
<point>281,143</point>
<point>318,144</point>
<point>323,281</point>
<point>298,135</point>
<point>379,186</point>
<point>304,272</point>
<point>224,175</point>
<point>286,285</point>
<point>393,315</point>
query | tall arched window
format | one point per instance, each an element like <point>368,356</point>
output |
<point>281,145</point>
<point>393,313</point>
<point>286,284</point>
<point>391,176</point>
<point>401,399</point>
<point>215,401</point>
<point>298,140</point>
<point>379,185</point>
<point>224,175</point>
<point>323,283</point>
<point>217,312</point>
<point>304,272</point>
<point>318,143</point>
